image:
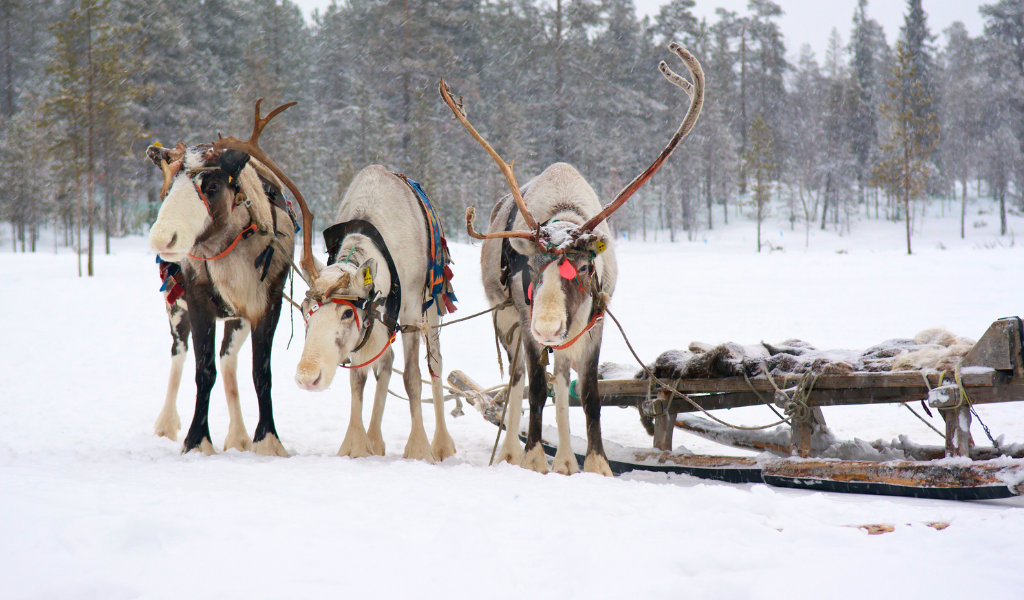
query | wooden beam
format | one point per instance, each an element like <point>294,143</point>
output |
<point>996,349</point>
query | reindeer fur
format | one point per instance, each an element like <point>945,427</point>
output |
<point>379,197</point>
<point>560,312</point>
<point>228,287</point>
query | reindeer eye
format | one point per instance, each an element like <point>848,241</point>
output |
<point>348,314</point>
<point>212,187</point>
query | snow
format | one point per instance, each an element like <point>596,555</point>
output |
<point>93,506</point>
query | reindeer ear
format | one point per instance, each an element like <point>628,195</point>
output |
<point>366,274</point>
<point>524,247</point>
<point>156,153</point>
<point>598,245</point>
<point>232,162</point>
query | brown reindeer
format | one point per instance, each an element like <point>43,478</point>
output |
<point>549,249</point>
<point>234,240</point>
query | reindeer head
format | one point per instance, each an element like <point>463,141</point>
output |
<point>564,249</point>
<point>201,180</point>
<point>339,310</point>
<point>200,186</point>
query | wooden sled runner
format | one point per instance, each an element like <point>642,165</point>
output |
<point>992,372</point>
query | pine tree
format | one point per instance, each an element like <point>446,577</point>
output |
<point>906,166</point>
<point>862,126</point>
<point>918,41</point>
<point>760,159</point>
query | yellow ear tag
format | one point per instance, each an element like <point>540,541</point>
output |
<point>367,278</point>
<point>230,179</point>
<point>158,144</point>
<point>600,246</point>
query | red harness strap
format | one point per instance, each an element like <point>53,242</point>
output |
<point>201,196</point>
<point>386,346</point>
<point>251,229</point>
<point>317,306</point>
<point>593,321</point>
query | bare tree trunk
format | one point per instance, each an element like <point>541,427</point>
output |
<point>78,220</point>
<point>963,206</point>
<point>743,108</point>
<point>89,107</point>
<point>707,189</point>
<point>406,84</point>
<point>107,209</point>
<point>824,207</point>
<point>559,103</point>
<point>1002,207</point>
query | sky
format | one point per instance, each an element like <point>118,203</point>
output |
<point>811,21</point>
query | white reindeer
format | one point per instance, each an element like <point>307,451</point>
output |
<point>377,273</point>
<point>550,251</point>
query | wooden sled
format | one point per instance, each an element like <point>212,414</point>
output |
<point>992,372</point>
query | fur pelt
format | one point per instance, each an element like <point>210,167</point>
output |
<point>932,349</point>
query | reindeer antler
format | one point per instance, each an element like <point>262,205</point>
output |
<point>252,148</point>
<point>696,94</point>
<point>506,169</point>
<point>169,169</point>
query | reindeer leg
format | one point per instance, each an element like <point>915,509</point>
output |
<point>443,445</point>
<point>382,368</point>
<point>417,447</point>
<point>565,459</point>
<point>265,441</point>
<point>202,322</point>
<point>356,444</point>
<point>534,458</point>
<point>596,461</point>
<point>235,332</point>
<point>512,449</point>
<point>168,422</point>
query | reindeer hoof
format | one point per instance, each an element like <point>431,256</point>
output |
<point>205,446</point>
<point>239,440</point>
<point>511,451</point>
<point>356,444</point>
<point>417,447</point>
<point>269,446</point>
<point>565,463</point>
<point>443,446</point>
<point>167,425</point>
<point>535,460</point>
<point>376,443</point>
<point>596,463</point>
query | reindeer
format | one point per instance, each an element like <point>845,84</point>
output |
<point>387,263</point>
<point>548,264</point>
<point>234,263</point>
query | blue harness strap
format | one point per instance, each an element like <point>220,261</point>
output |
<point>439,274</point>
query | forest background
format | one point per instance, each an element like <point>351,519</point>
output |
<point>870,130</point>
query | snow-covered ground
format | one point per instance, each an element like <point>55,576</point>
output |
<point>93,506</point>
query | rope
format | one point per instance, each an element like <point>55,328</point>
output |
<point>908,407</point>
<point>291,313</point>
<point>512,365</point>
<point>472,316</point>
<point>970,405</point>
<point>682,395</point>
